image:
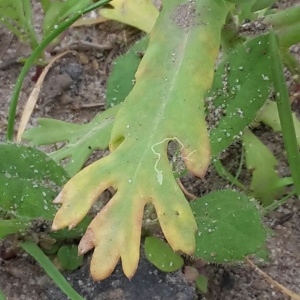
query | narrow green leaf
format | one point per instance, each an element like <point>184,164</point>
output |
<point>35,55</point>
<point>57,11</point>
<point>229,227</point>
<point>241,86</point>
<point>69,258</point>
<point>285,113</point>
<point>161,255</point>
<point>17,17</point>
<point>32,249</point>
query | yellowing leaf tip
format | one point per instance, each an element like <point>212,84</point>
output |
<point>58,199</point>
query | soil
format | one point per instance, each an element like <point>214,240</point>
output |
<point>74,91</point>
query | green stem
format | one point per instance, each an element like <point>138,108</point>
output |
<point>285,113</point>
<point>32,249</point>
<point>276,204</point>
<point>32,58</point>
<point>290,62</point>
<point>238,173</point>
<point>284,18</point>
<point>226,175</point>
<point>289,36</point>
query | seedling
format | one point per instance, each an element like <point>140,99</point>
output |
<point>18,17</point>
<point>170,94</point>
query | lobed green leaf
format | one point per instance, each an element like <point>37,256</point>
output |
<point>241,86</point>
<point>81,140</point>
<point>166,103</point>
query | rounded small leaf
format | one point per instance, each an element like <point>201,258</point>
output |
<point>161,255</point>
<point>202,283</point>
<point>69,258</point>
<point>229,227</point>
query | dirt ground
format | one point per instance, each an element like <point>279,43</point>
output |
<point>74,91</point>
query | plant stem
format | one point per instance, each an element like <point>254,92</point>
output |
<point>276,204</point>
<point>32,58</point>
<point>285,113</point>
<point>226,175</point>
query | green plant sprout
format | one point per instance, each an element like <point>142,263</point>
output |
<point>54,33</point>
<point>17,16</point>
<point>178,91</point>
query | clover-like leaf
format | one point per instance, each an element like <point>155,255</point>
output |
<point>166,103</point>
<point>69,258</point>
<point>229,227</point>
<point>141,14</point>
<point>161,255</point>
<point>81,140</point>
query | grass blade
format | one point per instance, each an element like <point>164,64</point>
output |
<point>50,269</point>
<point>285,113</point>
